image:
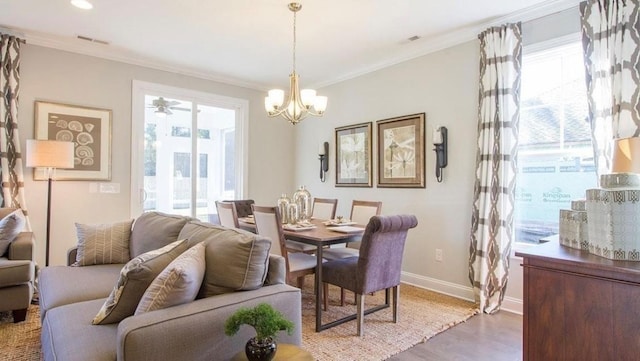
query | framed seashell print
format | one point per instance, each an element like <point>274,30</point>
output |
<point>90,131</point>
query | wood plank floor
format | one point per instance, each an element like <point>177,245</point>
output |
<point>483,337</point>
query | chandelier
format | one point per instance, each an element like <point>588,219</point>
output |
<point>299,104</point>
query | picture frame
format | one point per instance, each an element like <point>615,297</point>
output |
<point>401,152</point>
<point>90,131</point>
<point>353,155</point>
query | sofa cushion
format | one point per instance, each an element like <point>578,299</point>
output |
<point>153,230</point>
<point>103,243</point>
<point>134,279</point>
<point>62,285</point>
<point>178,283</point>
<point>67,334</point>
<point>15,272</point>
<point>236,260</point>
<point>10,225</point>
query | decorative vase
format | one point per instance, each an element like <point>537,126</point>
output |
<point>293,214</point>
<point>260,350</point>
<point>302,198</point>
<point>283,207</point>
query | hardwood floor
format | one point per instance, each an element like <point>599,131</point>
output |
<point>483,337</point>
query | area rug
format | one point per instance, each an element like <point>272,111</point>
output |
<point>20,341</point>
<point>422,315</point>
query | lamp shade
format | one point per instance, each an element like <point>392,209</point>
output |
<point>626,155</point>
<point>49,154</point>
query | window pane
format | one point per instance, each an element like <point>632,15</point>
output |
<point>555,157</point>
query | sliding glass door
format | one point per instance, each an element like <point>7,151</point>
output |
<point>191,150</point>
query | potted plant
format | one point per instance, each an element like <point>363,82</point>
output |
<point>267,322</point>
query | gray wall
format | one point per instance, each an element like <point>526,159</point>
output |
<point>444,85</point>
<point>58,76</point>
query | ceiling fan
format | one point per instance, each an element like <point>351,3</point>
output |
<point>164,107</point>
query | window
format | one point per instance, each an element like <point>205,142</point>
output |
<point>555,157</point>
<point>186,159</point>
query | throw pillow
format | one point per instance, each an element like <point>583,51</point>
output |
<point>10,226</point>
<point>153,230</point>
<point>235,260</point>
<point>135,278</point>
<point>103,243</point>
<point>177,284</point>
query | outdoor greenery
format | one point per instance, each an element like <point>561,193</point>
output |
<point>266,320</point>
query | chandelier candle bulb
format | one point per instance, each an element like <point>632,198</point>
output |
<point>298,104</point>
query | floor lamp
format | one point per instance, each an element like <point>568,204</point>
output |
<point>49,154</point>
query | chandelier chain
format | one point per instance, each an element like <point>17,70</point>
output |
<point>294,41</point>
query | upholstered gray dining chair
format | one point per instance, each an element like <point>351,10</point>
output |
<point>243,206</point>
<point>378,266</point>
<point>227,214</point>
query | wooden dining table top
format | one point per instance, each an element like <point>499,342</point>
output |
<point>321,234</point>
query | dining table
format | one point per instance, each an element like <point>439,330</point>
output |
<point>320,235</point>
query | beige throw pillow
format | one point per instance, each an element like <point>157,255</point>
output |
<point>10,226</point>
<point>178,283</point>
<point>103,243</point>
<point>135,278</point>
<point>236,260</point>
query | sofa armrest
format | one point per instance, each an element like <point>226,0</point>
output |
<point>22,247</point>
<point>71,255</point>
<point>195,331</point>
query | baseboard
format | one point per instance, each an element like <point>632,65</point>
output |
<point>513,305</point>
<point>509,304</point>
<point>448,288</point>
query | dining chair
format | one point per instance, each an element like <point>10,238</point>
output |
<point>361,213</point>
<point>227,214</point>
<point>378,266</point>
<point>323,208</point>
<point>243,206</point>
<point>268,224</point>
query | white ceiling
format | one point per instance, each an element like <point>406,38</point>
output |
<point>249,42</point>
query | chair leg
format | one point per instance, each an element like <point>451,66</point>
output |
<point>300,282</point>
<point>341,296</point>
<point>396,299</point>
<point>19,315</point>
<point>360,313</point>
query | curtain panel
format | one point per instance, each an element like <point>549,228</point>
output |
<point>10,157</point>
<point>494,189</point>
<point>611,44</point>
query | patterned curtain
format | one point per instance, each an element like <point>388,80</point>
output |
<point>10,157</point>
<point>611,43</point>
<point>494,189</point>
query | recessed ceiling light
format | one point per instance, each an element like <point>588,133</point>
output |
<point>82,4</point>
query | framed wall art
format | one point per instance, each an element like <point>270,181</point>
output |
<point>90,131</point>
<point>401,152</point>
<point>353,156</point>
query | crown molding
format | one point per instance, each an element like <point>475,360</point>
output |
<point>114,53</point>
<point>424,47</point>
<point>456,37</point>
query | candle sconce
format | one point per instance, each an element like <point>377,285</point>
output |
<point>440,147</point>
<point>323,153</point>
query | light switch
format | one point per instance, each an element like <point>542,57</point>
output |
<point>109,187</point>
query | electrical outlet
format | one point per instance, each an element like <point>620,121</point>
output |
<point>438,254</point>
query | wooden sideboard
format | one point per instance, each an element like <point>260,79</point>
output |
<point>578,306</point>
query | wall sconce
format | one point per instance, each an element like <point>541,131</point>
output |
<point>323,153</point>
<point>440,144</point>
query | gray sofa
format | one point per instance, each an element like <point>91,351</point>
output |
<point>70,297</point>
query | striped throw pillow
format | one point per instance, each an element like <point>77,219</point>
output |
<point>103,243</point>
